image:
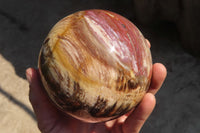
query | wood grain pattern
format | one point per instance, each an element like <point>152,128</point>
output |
<point>95,65</point>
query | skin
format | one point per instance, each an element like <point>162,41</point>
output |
<point>51,120</point>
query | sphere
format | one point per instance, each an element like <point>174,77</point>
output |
<point>95,65</point>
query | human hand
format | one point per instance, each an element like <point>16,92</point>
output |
<point>51,120</point>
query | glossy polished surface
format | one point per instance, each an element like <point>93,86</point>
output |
<point>95,65</point>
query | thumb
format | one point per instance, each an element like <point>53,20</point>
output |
<point>136,120</point>
<point>45,112</point>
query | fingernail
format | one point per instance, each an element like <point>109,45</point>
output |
<point>28,75</point>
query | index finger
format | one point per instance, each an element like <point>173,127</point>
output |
<point>159,74</point>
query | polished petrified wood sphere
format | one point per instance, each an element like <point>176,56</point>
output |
<point>95,65</point>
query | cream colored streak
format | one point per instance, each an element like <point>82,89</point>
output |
<point>146,61</point>
<point>135,67</point>
<point>92,92</point>
<point>106,39</point>
<point>104,90</point>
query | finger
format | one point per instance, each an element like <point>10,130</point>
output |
<point>148,43</point>
<point>36,91</point>
<point>125,116</point>
<point>119,120</point>
<point>110,124</point>
<point>38,98</point>
<point>158,76</point>
<point>136,120</point>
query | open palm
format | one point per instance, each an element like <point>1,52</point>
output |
<point>51,120</point>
